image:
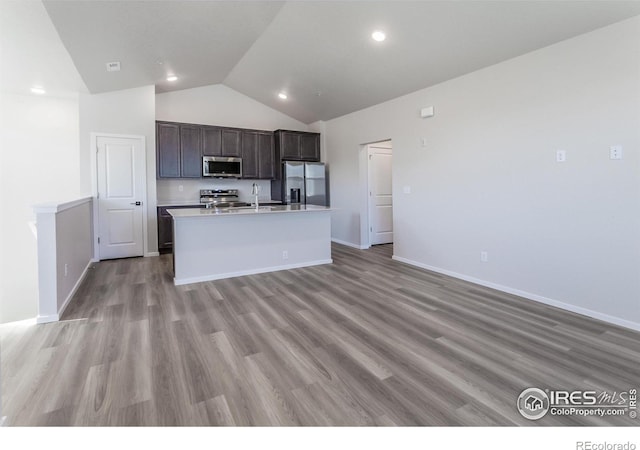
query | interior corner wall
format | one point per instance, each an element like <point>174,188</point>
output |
<point>39,149</point>
<point>39,142</point>
<point>320,127</point>
<point>487,179</point>
<point>128,112</point>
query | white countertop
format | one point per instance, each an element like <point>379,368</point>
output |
<point>244,211</point>
<point>179,203</point>
<point>169,203</point>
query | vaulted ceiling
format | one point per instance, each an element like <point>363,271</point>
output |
<point>319,52</point>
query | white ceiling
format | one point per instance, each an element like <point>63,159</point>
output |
<point>320,53</point>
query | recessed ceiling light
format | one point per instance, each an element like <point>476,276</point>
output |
<point>172,78</point>
<point>282,95</point>
<point>378,36</point>
<point>38,90</point>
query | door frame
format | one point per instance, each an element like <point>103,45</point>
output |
<point>365,235</point>
<point>369,188</point>
<point>94,189</point>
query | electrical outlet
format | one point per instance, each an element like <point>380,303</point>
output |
<point>484,256</point>
<point>180,188</point>
<point>406,189</point>
<point>285,254</point>
<point>561,155</point>
<point>66,269</point>
<point>615,152</point>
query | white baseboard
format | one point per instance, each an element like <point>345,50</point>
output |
<point>181,281</point>
<point>47,319</point>
<point>56,317</point>
<point>349,244</point>
<point>529,296</point>
<point>75,288</point>
<point>149,254</point>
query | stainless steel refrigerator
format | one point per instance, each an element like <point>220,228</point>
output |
<point>303,183</point>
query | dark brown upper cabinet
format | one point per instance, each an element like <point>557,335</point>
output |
<point>168,150</point>
<point>211,141</point>
<point>266,156</point>
<point>190,151</point>
<point>179,150</point>
<point>217,141</point>
<point>249,154</point>
<point>297,146</point>
<point>231,145</point>
<point>310,147</point>
<point>180,147</point>
<point>258,155</point>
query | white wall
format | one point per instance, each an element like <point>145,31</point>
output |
<point>487,179</point>
<point>38,143</point>
<point>132,112</point>
<point>65,251</point>
<point>74,248</point>
<point>223,106</point>
<point>220,105</point>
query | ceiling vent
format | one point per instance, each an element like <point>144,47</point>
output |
<point>113,66</point>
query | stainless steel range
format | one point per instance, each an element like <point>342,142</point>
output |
<point>221,198</point>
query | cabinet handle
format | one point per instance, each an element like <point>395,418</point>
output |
<point>136,203</point>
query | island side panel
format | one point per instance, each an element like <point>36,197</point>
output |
<point>216,247</point>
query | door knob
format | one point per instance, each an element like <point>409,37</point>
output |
<point>137,203</point>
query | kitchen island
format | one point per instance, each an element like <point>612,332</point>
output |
<point>211,244</point>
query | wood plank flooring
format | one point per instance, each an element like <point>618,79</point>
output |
<point>364,341</point>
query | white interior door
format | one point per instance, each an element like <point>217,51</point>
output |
<point>380,195</point>
<point>121,189</point>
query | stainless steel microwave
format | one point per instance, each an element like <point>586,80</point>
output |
<point>221,167</point>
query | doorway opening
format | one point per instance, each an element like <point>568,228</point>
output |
<point>379,193</point>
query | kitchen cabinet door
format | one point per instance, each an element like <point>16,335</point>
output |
<point>168,150</point>
<point>165,226</point>
<point>289,145</point>
<point>297,146</point>
<point>249,154</point>
<point>266,156</point>
<point>165,230</point>
<point>231,142</point>
<point>310,147</point>
<point>190,151</point>
<point>211,141</point>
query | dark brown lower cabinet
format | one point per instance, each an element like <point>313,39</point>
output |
<point>165,227</point>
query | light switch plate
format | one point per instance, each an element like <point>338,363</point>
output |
<point>615,152</point>
<point>427,112</point>
<point>406,189</point>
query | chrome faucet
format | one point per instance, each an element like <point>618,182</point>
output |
<point>255,189</point>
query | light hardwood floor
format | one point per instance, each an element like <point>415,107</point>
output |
<point>364,341</point>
